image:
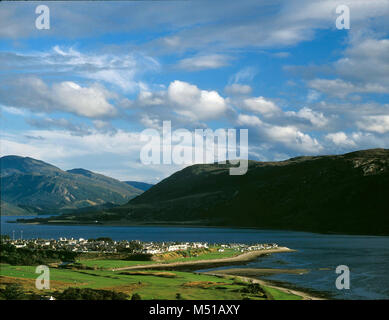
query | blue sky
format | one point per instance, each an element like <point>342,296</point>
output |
<point>79,94</point>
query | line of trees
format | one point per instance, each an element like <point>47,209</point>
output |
<point>14,291</point>
<point>30,257</point>
<point>90,294</point>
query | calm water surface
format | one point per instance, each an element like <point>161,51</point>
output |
<point>366,256</point>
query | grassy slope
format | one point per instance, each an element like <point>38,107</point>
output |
<point>165,258</point>
<point>280,295</point>
<point>101,263</point>
<point>188,285</point>
<point>8,209</point>
<point>111,264</point>
<point>205,255</point>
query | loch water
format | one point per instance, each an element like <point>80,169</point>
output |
<point>366,256</point>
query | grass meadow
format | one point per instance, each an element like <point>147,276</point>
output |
<point>148,284</point>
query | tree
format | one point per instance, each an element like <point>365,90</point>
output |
<point>72,293</point>
<point>12,291</point>
<point>136,296</point>
<point>253,288</point>
<point>4,237</point>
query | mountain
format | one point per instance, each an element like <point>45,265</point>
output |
<point>332,194</point>
<point>139,185</point>
<point>20,165</point>
<point>13,210</point>
<point>31,186</point>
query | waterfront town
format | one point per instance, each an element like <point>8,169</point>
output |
<point>108,245</point>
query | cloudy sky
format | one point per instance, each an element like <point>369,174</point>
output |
<point>79,94</point>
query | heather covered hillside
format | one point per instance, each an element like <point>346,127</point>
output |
<point>342,193</point>
<point>30,186</point>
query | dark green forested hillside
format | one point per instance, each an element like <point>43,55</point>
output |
<point>139,185</point>
<point>344,193</point>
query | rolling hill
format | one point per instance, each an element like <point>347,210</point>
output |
<point>30,186</point>
<point>333,194</point>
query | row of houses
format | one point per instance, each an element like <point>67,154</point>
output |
<point>76,245</point>
<point>161,247</point>
<point>110,246</point>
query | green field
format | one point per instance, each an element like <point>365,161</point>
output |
<point>149,284</point>
<point>228,253</point>
<point>112,264</point>
<point>280,295</point>
<point>167,258</point>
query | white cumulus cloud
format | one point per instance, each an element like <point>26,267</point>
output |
<point>65,96</point>
<point>260,105</point>
<point>340,139</point>
<point>378,123</point>
<point>190,101</point>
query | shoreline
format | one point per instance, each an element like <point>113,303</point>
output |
<point>267,283</point>
<point>258,272</point>
<point>240,259</point>
<point>209,263</point>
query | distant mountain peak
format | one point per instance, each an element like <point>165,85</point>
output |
<point>25,165</point>
<point>36,186</point>
<point>82,171</point>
